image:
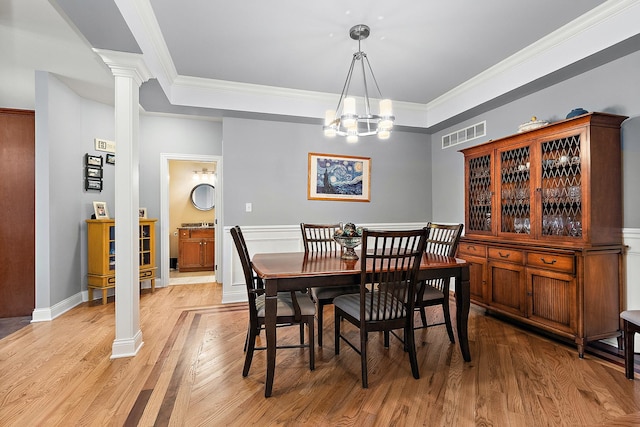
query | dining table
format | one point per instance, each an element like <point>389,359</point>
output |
<point>287,271</point>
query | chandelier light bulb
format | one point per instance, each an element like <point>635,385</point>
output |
<point>386,109</point>
<point>329,124</point>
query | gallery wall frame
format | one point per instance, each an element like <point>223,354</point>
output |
<point>92,172</point>
<point>338,178</point>
<point>91,160</point>
<point>92,184</point>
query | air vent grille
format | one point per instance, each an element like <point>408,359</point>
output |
<point>463,135</point>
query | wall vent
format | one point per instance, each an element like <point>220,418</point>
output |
<point>463,135</point>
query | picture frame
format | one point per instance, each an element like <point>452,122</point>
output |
<point>338,178</point>
<point>111,159</point>
<point>90,160</point>
<point>93,172</point>
<point>100,210</point>
<point>142,212</point>
<point>92,184</point>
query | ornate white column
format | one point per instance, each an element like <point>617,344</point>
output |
<point>130,72</point>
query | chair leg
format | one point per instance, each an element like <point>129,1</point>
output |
<point>386,339</point>
<point>301,333</point>
<point>312,344</point>
<point>363,358</point>
<point>319,310</point>
<point>447,320</point>
<point>410,346</point>
<point>423,317</point>
<point>628,349</point>
<point>336,333</point>
<point>251,341</point>
<point>246,339</point>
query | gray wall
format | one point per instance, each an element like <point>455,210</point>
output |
<point>162,134</point>
<point>612,88</point>
<point>66,127</point>
<point>266,164</point>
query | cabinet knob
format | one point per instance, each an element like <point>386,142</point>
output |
<point>553,261</point>
<point>503,255</point>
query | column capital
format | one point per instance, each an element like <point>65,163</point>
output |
<point>125,64</point>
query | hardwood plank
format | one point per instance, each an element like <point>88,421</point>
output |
<point>189,373</point>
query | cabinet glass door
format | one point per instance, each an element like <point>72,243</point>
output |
<point>515,191</point>
<point>145,245</point>
<point>112,247</point>
<point>480,194</point>
<point>561,188</point>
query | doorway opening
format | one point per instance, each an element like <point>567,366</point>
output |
<point>190,205</point>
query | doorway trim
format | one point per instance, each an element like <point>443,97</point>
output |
<point>164,209</point>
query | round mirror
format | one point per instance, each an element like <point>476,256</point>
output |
<point>203,197</point>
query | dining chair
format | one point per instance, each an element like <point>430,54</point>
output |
<point>389,264</point>
<point>630,325</point>
<point>318,238</point>
<point>293,308</point>
<point>443,240</point>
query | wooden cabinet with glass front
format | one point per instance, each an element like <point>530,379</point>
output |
<point>101,254</point>
<point>543,227</point>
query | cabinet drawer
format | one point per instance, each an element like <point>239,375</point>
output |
<point>146,274</point>
<point>472,249</point>
<point>202,233</point>
<point>551,261</point>
<point>509,255</point>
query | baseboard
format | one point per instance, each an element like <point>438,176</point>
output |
<point>50,313</point>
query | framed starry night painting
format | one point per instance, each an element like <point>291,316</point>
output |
<point>341,178</point>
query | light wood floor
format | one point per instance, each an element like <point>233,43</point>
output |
<point>188,373</point>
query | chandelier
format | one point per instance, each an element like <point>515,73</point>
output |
<point>345,121</point>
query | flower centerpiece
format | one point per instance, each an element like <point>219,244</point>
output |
<point>349,237</point>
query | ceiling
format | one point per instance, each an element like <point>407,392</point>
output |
<point>436,60</point>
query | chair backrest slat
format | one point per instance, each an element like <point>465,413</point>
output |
<point>390,261</point>
<point>443,238</point>
<point>319,237</point>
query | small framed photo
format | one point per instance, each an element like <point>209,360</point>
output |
<point>111,159</point>
<point>92,184</point>
<point>93,172</point>
<point>90,160</point>
<point>100,210</point>
<point>142,212</point>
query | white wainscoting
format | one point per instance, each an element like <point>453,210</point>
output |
<point>260,239</point>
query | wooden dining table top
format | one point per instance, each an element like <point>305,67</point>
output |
<point>310,264</point>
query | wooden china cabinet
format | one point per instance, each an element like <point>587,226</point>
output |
<point>543,227</point>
